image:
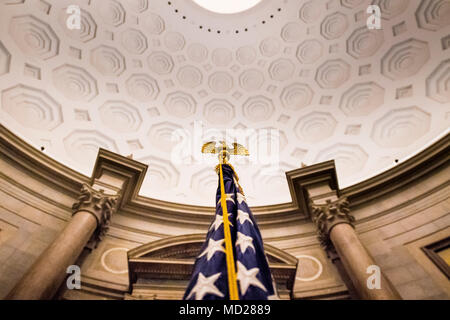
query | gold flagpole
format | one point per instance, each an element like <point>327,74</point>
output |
<point>238,149</point>
<point>232,280</point>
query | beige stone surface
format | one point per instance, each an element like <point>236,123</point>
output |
<point>44,277</point>
<point>393,229</point>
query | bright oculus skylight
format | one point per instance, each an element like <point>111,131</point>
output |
<point>227,6</point>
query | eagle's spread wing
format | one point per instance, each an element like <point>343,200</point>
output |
<point>239,149</point>
<point>209,147</point>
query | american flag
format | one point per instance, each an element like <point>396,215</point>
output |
<point>209,280</point>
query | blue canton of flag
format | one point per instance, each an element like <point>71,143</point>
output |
<point>209,280</point>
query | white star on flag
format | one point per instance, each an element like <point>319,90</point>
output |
<point>212,247</point>
<point>217,222</point>
<point>247,278</point>
<point>204,286</point>
<point>244,241</point>
<point>240,197</point>
<point>228,197</point>
<point>243,216</point>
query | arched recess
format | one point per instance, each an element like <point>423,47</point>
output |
<point>161,269</point>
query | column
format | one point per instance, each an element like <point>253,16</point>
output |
<point>314,189</point>
<point>335,226</point>
<point>91,215</point>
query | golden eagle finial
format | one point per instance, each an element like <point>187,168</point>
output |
<point>224,150</point>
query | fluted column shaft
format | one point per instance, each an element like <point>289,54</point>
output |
<point>90,220</point>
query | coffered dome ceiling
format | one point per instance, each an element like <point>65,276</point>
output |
<point>138,70</point>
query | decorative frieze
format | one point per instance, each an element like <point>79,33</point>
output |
<point>101,205</point>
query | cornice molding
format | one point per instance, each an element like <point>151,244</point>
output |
<point>40,164</point>
<point>47,169</point>
<point>69,181</point>
<point>300,179</point>
<point>429,159</point>
<point>123,173</point>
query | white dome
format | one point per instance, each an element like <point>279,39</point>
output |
<point>138,71</point>
<point>228,6</point>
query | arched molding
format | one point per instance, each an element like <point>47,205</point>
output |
<point>172,260</point>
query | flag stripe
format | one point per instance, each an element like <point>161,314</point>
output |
<point>232,281</point>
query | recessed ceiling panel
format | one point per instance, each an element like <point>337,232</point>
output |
<point>296,81</point>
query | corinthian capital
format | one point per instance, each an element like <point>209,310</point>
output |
<point>101,205</point>
<point>329,214</point>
